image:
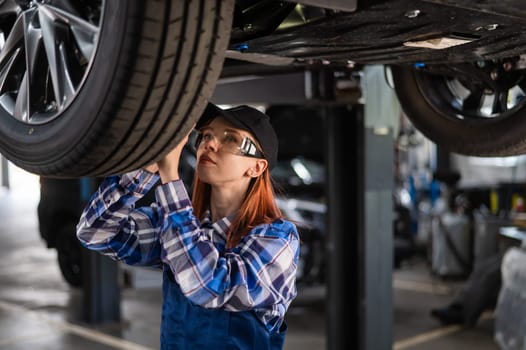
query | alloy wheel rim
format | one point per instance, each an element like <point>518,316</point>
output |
<point>46,50</point>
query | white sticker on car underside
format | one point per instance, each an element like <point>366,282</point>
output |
<point>438,43</point>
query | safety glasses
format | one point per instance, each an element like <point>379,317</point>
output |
<point>230,142</point>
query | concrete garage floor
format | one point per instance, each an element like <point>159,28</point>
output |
<point>38,309</point>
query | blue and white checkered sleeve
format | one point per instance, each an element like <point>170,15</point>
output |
<point>111,225</point>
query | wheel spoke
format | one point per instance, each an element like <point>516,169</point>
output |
<point>54,44</point>
<point>33,39</point>
<point>13,41</point>
<point>7,66</point>
<point>22,101</point>
<point>84,32</point>
<point>10,53</point>
<point>500,102</point>
<point>7,103</point>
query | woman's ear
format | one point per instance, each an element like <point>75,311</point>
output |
<point>258,168</point>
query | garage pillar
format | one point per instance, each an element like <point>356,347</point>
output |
<point>100,288</point>
<point>101,293</point>
<point>359,154</point>
<point>4,166</point>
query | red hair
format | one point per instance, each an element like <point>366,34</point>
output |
<point>258,207</point>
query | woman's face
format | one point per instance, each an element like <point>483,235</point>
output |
<point>220,158</point>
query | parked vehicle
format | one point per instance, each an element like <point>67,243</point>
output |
<point>302,183</point>
<point>94,87</point>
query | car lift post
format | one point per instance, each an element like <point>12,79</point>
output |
<point>359,161</point>
<point>5,171</point>
<point>101,291</point>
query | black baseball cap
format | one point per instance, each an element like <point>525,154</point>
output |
<point>249,119</point>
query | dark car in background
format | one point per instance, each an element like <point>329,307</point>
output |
<point>301,184</point>
<point>97,87</point>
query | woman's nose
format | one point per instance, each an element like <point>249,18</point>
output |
<point>212,144</point>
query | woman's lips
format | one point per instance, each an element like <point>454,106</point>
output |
<point>206,160</point>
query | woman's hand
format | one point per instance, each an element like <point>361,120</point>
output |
<point>168,166</point>
<point>152,168</point>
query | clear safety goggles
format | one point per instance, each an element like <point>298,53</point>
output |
<point>230,142</point>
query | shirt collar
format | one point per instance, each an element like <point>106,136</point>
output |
<point>220,226</point>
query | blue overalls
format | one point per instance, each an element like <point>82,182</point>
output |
<point>185,326</point>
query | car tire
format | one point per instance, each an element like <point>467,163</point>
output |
<point>133,77</point>
<point>449,105</point>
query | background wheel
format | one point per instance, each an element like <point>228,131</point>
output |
<point>474,109</point>
<point>92,88</point>
<point>70,263</point>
